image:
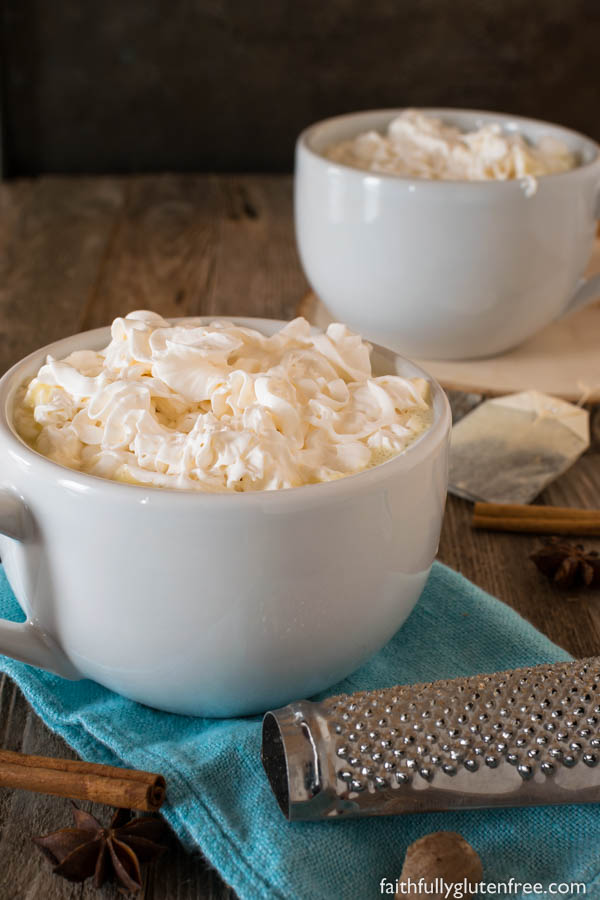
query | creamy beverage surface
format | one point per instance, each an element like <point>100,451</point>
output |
<point>421,146</point>
<point>220,407</point>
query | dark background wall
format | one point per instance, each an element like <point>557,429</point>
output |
<point>147,85</point>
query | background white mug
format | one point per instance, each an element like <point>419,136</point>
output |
<point>213,604</point>
<point>440,269</point>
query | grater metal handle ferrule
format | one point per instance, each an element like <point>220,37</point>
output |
<point>523,737</point>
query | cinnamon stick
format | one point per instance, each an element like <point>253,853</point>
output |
<point>536,519</point>
<point>125,788</point>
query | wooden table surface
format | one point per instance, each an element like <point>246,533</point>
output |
<point>75,253</point>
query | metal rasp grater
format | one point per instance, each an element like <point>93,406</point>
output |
<point>518,738</point>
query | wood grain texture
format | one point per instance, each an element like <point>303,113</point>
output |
<point>76,252</point>
<point>54,235</point>
<point>201,245</point>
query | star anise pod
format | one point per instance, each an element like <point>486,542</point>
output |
<point>568,565</point>
<point>106,853</point>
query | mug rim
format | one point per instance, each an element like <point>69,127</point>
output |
<point>303,142</point>
<point>73,478</point>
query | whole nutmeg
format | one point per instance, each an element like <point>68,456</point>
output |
<point>442,855</point>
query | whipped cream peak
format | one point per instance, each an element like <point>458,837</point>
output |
<point>421,146</point>
<point>220,407</point>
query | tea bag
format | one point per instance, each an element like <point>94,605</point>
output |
<point>508,449</point>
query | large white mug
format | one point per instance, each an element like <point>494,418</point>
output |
<point>213,604</point>
<point>445,269</point>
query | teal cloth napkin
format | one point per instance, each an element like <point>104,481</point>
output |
<point>219,799</point>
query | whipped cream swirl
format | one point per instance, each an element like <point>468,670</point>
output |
<point>421,146</point>
<point>220,407</point>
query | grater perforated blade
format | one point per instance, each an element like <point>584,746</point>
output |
<point>518,738</point>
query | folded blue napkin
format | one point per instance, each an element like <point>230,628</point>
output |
<point>219,799</point>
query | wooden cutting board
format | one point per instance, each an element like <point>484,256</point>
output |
<point>562,360</point>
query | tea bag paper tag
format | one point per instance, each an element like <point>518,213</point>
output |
<point>508,449</point>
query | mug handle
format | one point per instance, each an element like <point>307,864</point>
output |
<point>588,290</point>
<point>25,641</point>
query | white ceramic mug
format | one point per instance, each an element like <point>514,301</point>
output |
<point>445,269</point>
<point>213,604</point>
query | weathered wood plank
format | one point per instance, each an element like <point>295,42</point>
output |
<point>499,563</point>
<point>163,250</point>
<point>201,245</point>
<point>53,236</point>
<point>257,270</point>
